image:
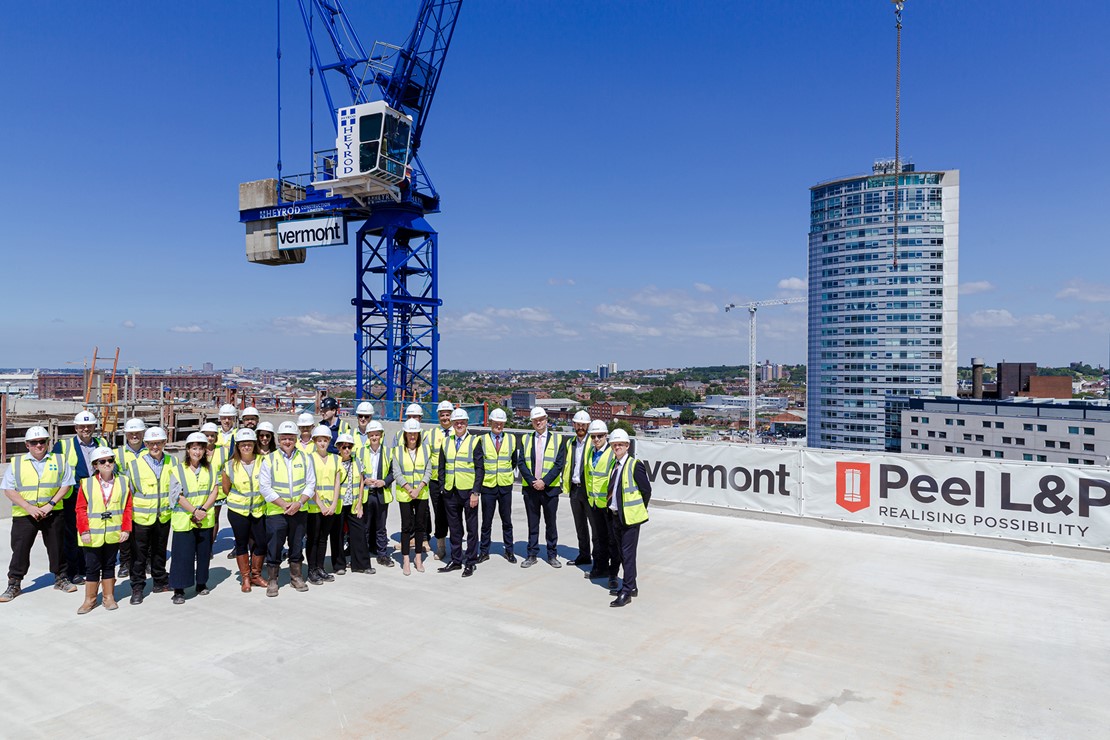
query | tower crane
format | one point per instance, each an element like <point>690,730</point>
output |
<point>752,308</point>
<point>373,179</point>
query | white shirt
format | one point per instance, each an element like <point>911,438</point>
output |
<point>579,451</point>
<point>67,479</point>
<point>615,477</point>
<point>348,482</point>
<point>266,477</point>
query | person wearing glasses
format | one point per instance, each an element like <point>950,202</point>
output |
<point>265,435</point>
<point>288,481</point>
<point>103,513</point>
<point>542,457</point>
<point>193,492</point>
<point>133,431</point>
<point>349,496</point>
<point>75,451</point>
<point>150,476</point>
<point>377,470</point>
<point>36,483</point>
<point>364,414</point>
<point>245,504</point>
<point>596,466</point>
<point>500,457</point>
<point>574,483</point>
<point>412,471</point>
<point>461,470</point>
<point>329,409</point>
<point>249,418</point>
<point>627,497</point>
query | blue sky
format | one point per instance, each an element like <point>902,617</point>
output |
<point>612,174</point>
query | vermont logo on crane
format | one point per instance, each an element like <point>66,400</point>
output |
<point>853,485</point>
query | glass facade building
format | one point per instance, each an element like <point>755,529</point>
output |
<point>880,333</point>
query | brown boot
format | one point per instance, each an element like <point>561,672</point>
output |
<point>296,576</point>
<point>272,580</point>
<point>91,587</point>
<point>108,587</point>
<point>256,572</point>
<point>244,563</point>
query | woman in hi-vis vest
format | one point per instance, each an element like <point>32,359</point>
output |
<point>412,470</point>
<point>192,496</point>
<point>240,483</point>
<point>103,522</point>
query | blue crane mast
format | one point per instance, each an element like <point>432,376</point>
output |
<point>374,177</point>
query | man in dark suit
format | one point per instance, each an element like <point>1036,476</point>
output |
<point>627,500</point>
<point>541,462</point>
<point>574,483</point>
<point>461,470</point>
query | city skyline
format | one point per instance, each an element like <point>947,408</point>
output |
<point>545,264</point>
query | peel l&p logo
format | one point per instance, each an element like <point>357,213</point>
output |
<point>853,485</point>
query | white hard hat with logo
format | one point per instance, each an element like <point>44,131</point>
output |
<point>287,427</point>
<point>414,409</point>
<point>597,426</point>
<point>460,415</point>
<point>581,418</point>
<point>411,425</point>
<point>498,415</point>
<point>321,431</point>
<point>196,438</point>
<point>158,434</point>
<point>264,426</point>
<point>618,435</point>
<point>84,417</point>
<point>365,409</point>
<point>306,420</point>
<point>36,433</point>
<point>537,413</point>
<point>245,435</point>
<point>375,426</point>
<point>101,453</point>
<point>345,439</point>
<point>250,411</point>
<point>134,425</point>
<point>209,427</point>
<point>445,406</point>
<point>228,410</point>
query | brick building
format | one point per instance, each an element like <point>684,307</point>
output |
<point>141,387</point>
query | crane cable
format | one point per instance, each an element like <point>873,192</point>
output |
<point>898,5</point>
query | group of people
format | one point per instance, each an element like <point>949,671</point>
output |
<point>293,492</point>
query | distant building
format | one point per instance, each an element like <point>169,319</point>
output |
<point>602,372</point>
<point>1023,429</point>
<point>140,386</point>
<point>608,410</point>
<point>207,367</point>
<point>880,335</point>
<point>524,398</point>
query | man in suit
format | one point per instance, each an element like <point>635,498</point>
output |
<point>541,462</point>
<point>461,470</point>
<point>574,483</point>
<point>627,500</point>
<point>500,454</point>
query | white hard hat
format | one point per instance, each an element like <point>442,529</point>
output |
<point>375,426</point>
<point>245,435</point>
<point>365,409</point>
<point>36,433</point>
<point>597,426</point>
<point>345,439</point>
<point>581,418</point>
<point>498,415</point>
<point>321,431</point>
<point>157,434</point>
<point>85,417</point>
<point>196,438</point>
<point>414,409</point>
<point>537,413</point>
<point>100,453</point>
<point>228,410</point>
<point>306,420</point>
<point>287,427</point>
<point>445,406</point>
<point>209,427</point>
<point>618,435</point>
<point>411,425</point>
<point>460,415</point>
<point>264,426</point>
<point>250,411</point>
<point>134,425</point>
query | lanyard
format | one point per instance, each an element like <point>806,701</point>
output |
<point>105,490</point>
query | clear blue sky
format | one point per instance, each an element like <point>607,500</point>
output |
<point>613,173</point>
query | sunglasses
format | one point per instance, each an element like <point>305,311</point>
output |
<point>364,416</point>
<point>345,447</point>
<point>105,462</point>
<point>36,442</point>
<point>599,436</point>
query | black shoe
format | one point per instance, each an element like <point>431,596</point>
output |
<point>483,557</point>
<point>612,585</point>
<point>387,562</point>
<point>325,575</point>
<point>124,571</point>
<point>77,579</point>
<point>341,571</point>
<point>528,561</point>
<point>579,561</point>
<point>202,589</point>
<point>510,557</point>
<point>179,597</point>
<point>622,600</point>
<point>468,571</point>
<point>450,568</point>
<point>314,577</point>
<point>160,589</point>
<point>368,571</point>
<point>136,596</point>
<point>554,562</point>
<point>592,575</point>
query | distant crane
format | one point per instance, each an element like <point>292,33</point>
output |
<point>373,177</point>
<point>752,308</point>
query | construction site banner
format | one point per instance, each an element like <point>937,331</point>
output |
<point>1063,505</point>
<point>736,476</point>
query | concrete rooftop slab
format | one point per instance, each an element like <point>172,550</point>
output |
<point>745,628</point>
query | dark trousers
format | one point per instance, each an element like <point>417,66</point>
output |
<point>356,536</point>
<point>100,562</point>
<point>247,530</point>
<point>125,551</point>
<point>74,558</point>
<point>458,511</point>
<point>414,524</point>
<point>148,547</point>
<point>605,560</point>
<point>625,541</point>
<point>24,531</point>
<point>282,528</point>
<point>439,510</point>
<point>579,507</point>
<point>377,512</point>
<point>548,503</point>
<point>191,552</point>
<point>319,528</point>
<point>501,500</point>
